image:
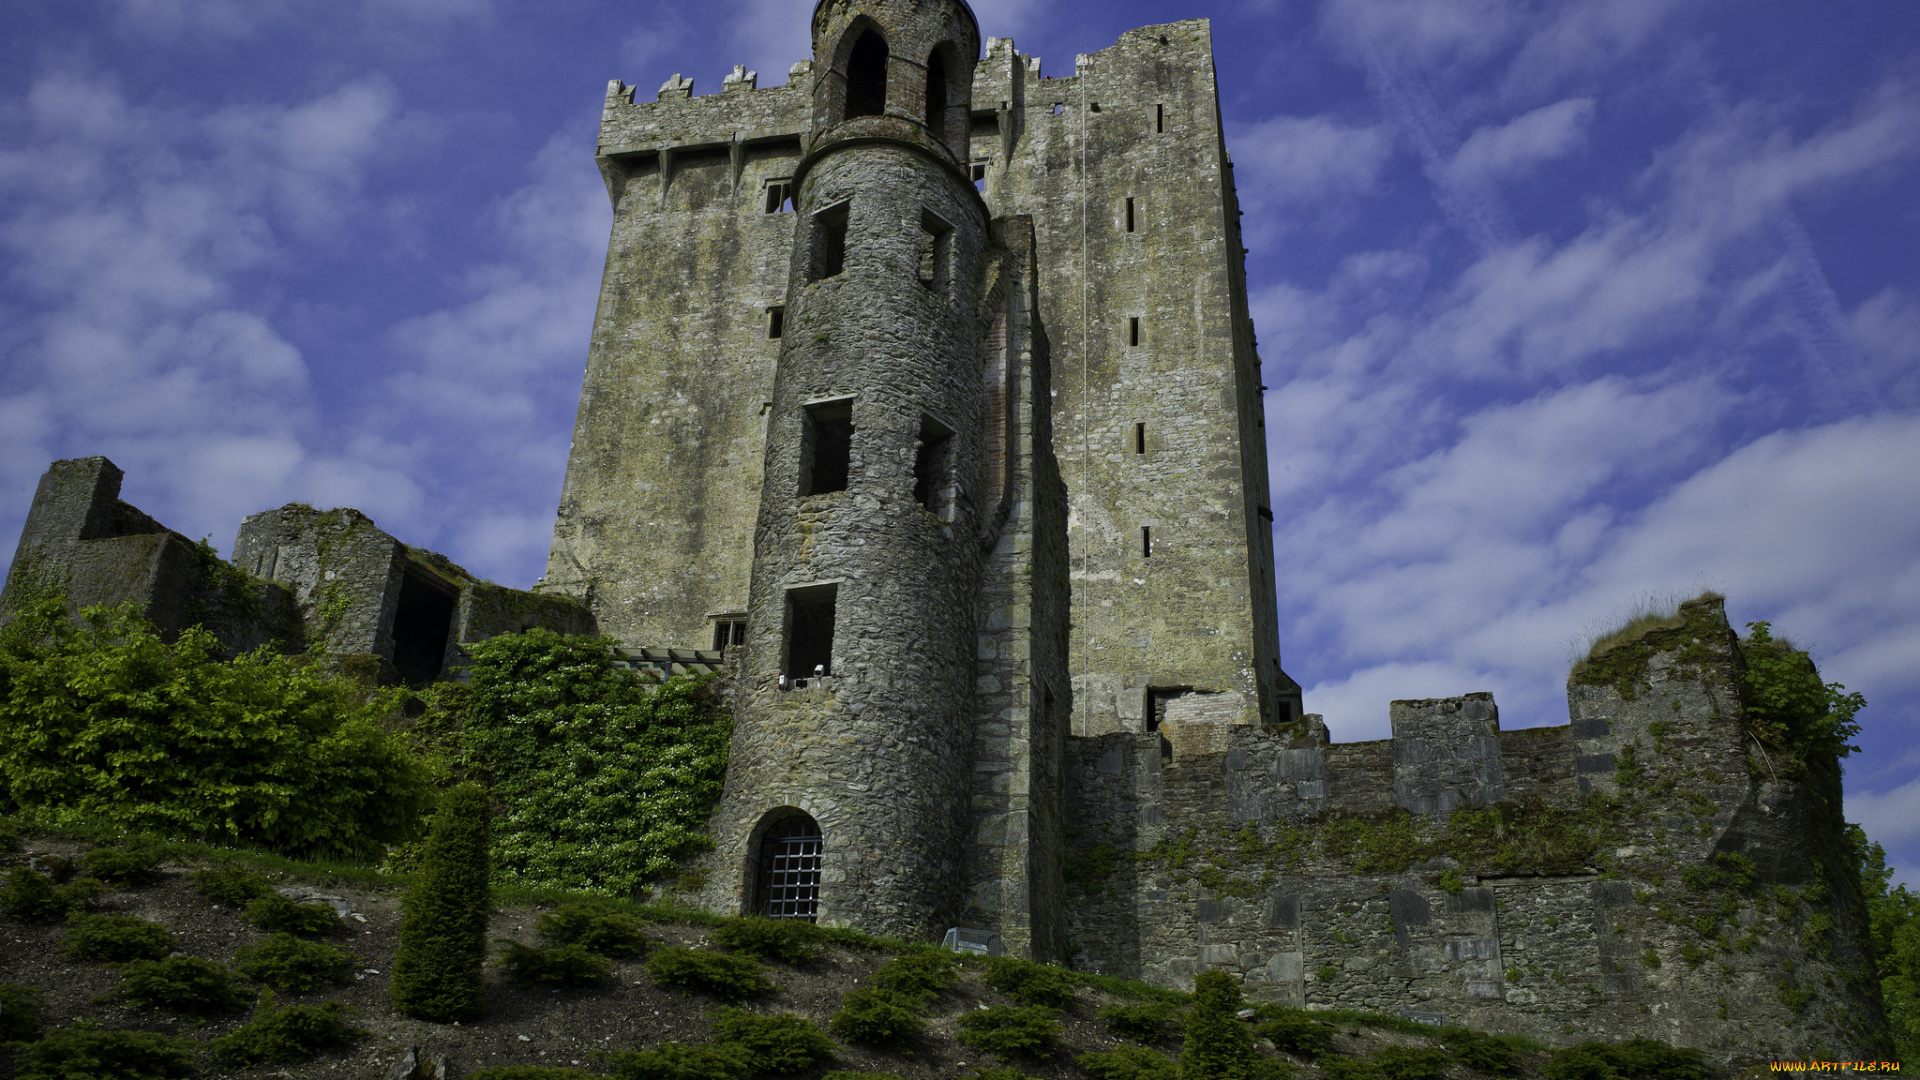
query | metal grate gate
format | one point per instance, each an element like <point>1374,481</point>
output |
<point>790,861</point>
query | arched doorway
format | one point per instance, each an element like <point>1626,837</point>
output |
<point>789,885</point>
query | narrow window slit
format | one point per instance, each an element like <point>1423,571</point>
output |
<point>1146,541</point>
<point>1140,438</point>
<point>936,242</point>
<point>1133,331</point>
<point>1129,213</point>
<point>776,320</point>
<point>1159,119</point>
<point>933,468</point>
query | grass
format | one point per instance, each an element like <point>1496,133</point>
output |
<point>1645,614</point>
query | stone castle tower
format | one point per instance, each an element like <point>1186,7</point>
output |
<point>926,382</point>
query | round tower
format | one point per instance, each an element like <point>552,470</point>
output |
<point>848,790</point>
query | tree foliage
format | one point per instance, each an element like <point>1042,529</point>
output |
<point>104,722</point>
<point>1893,913</point>
<point>1787,707</point>
<point>443,927</point>
<point>607,776</point>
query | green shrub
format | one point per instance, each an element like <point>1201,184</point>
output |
<point>288,963</point>
<point>231,885</point>
<point>19,1011</point>
<point>1483,1053</point>
<point>9,838</point>
<point>289,1034</point>
<point>1153,1022</point>
<point>680,1061</point>
<point>135,864</point>
<point>1637,1059</point>
<point>921,973</point>
<point>1412,1062</point>
<point>1010,1029</point>
<point>531,1072</point>
<point>1128,1063</point>
<point>282,915</point>
<point>34,897</point>
<point>993,1072</point>
<point>782,1043</point>
<point>78,1052</point>
<point>1218,1045</point>
<point>438,966</point>
<point>560,965</point>
<point>849,1074</point>
<point>1293,1031</point>
<point>103,722</point>
<point>1029,983</point>
<point>596,927</point>
<point>115,938</point>
<point>1349,1068</point>
<point>183,984</point>
<point>729,978</point>
<point>789,941</point>
<point>610,776</point>
<point>877,1016</point>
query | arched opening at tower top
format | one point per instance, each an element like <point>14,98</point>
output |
<point>867,76</point>
<point>937,95</point>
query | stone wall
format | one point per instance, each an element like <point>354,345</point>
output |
<point>1634,873</point>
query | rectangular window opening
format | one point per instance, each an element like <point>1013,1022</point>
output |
<point>979,175</point>
<point>826,447</point>
<point>829,242</point>
<point>933,468</point>
<point>779,196</point>
<point>1159,119</point>
<point>1133,331</point>
<point>776,320</point>
<point>936,243</point>
<point>729,631</point>
<point>1059,107</point>
<point>1140,438</point>
<point>1146,541</point>
<point>810,631</point>
<point>1129,213</point>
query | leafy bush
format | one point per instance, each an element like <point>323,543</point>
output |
<point>1029,983</point>
<point>287,1034</point>
<point>1128,1063</point>
<point>1483,1053</point>
<point>789,941</point>
<point>1218,1045</point>
<point>231,885</point>
<point>1787,706</point>
<point>596,927</point>
<point>610,777</point>
<point>443,927</point>
<point>1349,1068</point>
<point>1010,1029</point>
<point>19,1011</point>
<point>285,962</point>
<point>730,978</point>
<point>878,1016</point>
<point>31,896</point>
<point>131,864</point>
<point>1153,1022</point>
<point>993,1072</point>
<point>681,1061</point>
<point>561,965</point>
<point>531,1072</point>
<point>87,1051</point>
<point>101,721</point>
<point>1638,1059</point>
<point>1293,1031</point>
<point>849,1074</point>
<point>115,938</point>
<point>921,973</point>
<point>9,838</point>
<point>283,915</point>
<point>1412,1062</point>
<point>183,984</point>
<point>783,1043</point>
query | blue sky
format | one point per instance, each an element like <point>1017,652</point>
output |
<point>1562,305</point>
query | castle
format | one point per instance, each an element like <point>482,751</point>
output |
<point>923,399</point>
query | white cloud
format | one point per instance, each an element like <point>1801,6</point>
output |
<point>1286,163</point>
<point>1579,40</point>
<point>1423,32</point>
<point>1492,154</point>
<point>1891,817</point>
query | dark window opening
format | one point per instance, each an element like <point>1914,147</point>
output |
<point>936,243</point>
<point>867,76</point>
<point>776,320</point>
<point>779,196</point>
<point>937,95</point>
<point>422,621</point>
<point>1140,438</point>
<point>1129,214</point>
<point>933,468</point>
<point>728,632</point>
<point>790,870</point>
<point>1095,107</point>
<point>826,448</point>
<point>1146,541</point>
<point>810,632</point>
<point>1133,331</point>
<point>1059,107</point>
<point>979,175</point>
<point>1159,118</point>
<point>1266,514</point>
<point>829,241</point>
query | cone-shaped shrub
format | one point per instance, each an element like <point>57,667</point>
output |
<point>443,928</point>
<point>1219,1046</point>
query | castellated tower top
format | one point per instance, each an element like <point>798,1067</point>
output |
<point>895,69</point>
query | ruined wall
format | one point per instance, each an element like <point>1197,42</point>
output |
<point>1633,873</point>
